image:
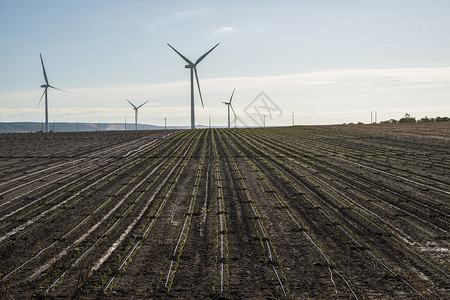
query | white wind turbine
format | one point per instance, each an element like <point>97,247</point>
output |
<point>46,86</point>
<point>193,67</point>
<point>229,105</point>
<point>136,112</point>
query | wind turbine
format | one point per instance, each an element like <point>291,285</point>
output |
<point>136,112</point>
<point>229,105</point>
<point>193,67</point>
<point>46,86</point>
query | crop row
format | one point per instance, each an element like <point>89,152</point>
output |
<point>64,198</point>
<point>101,233</point>
<point>270,252</point>
<point>23,166</point>
<point>222,256</point>
<point>402,160</point>
<point>362,180</point>
<point>145,198</point>
<point>144,188</point>
<point>323,192</point>
<point>56,181</point>
<point>151,217</point>
<point>175,257</point>
<point>344,198</point>
<point>282,212</point>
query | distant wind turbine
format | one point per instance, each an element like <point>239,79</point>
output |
<point>229,105</point>
<point>136,112</point>
<point>193,67</point>
<point>46,86</point>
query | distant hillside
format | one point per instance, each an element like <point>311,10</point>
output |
<point>8,127</point>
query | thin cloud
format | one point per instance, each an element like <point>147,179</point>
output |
<point>337,92</point>
<point>164,21</point>
<point>185,13</point>
<point>222,30</point>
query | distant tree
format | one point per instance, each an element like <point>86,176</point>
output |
<point>442,119</point>
<point>407,119</point>
<point>425,120</point>
<point>390,121</point>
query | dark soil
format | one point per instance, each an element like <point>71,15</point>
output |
<point>298,212</point>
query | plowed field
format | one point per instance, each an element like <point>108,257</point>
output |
<point>336,212</point>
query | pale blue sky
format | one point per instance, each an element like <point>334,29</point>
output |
<point>327,61</point>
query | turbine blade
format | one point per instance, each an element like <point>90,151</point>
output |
<point>225,103</point>
<point>131,104</point>
<point>142,104</point>
<point>233,110</point>
<point>232,96</point>
<point>43,69</point>
<point>204,55</point>
<point>182,56</point>
<point>58,89</point>
<point>41,99</point>
<point>198,85</point>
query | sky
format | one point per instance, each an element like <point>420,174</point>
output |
<point>301,61</point>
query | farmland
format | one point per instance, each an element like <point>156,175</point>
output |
<point>299,212</point>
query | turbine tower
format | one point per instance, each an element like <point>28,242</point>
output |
<point>136,112</point>
<point>46,86</point>
<point>229,105</point>
<point>193,67</point>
